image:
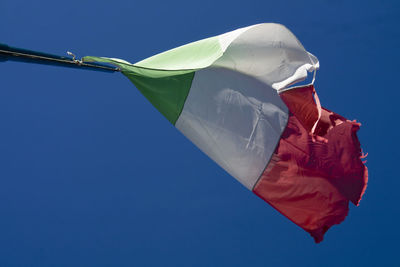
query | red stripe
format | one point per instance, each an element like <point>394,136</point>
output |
<point>311,178</point>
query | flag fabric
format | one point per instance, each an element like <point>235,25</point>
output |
<point>232,95</point>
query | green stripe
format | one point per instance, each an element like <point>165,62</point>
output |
<point>195,55</point>
<point>165,79</point>
<point>167,94</point>
<point>166,90</point>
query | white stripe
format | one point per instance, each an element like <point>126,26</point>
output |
<point>235,119</point>
<point>233,112</point>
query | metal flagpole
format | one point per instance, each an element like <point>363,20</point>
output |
<point>8,53</point>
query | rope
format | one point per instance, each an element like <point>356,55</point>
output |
<point>319,110</point>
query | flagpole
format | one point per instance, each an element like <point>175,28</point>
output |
<point>8,53</point>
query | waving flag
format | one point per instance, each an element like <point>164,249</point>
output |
<point>232,95</point>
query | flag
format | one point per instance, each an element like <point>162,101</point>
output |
<point>233,96</point>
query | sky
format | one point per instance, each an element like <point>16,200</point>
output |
<point>92,175</point>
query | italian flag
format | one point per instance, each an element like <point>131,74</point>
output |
<point>232,95</point>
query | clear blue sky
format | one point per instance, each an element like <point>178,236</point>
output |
<point>92,175</point>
